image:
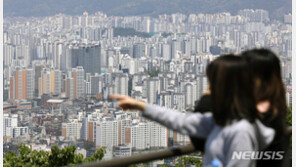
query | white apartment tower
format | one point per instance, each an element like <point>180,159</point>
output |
<point>78,77</point>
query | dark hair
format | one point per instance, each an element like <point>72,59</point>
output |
<point>231,90</point>
<point>268,84</point>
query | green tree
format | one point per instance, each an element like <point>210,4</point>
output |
<point>188,160</point>
<point>125,32</point>
<point>56,157</point>
<point>153,73</point>
<point>165,34</point>
<point>289,116</point>
<point>140,165</point>
<point>98,155</point>
<point>289,121</point>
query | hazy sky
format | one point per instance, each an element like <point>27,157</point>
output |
<point>276,8</point>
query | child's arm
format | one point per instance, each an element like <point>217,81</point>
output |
<point>193,124</point>
<point>196,124</point>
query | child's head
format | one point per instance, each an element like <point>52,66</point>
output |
<point>268,84</point>
<point>231,89</point>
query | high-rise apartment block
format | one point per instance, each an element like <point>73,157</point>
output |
<point>22,84</point>
<point>78,82</point>
<point>50,82</point>
<point>87,56</point>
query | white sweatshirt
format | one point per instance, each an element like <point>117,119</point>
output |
<point>234,145</point>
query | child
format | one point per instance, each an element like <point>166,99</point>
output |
<point>270,97</point>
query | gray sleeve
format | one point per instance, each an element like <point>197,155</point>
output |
<point>238,149</point>
<point>193,124</point>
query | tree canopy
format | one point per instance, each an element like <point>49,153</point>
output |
<point>187,161</point>
<point>26,157</point>
<point>124,32</point>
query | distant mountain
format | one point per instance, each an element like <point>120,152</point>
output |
<point>276,8</point>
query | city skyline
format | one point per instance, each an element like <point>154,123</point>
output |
<point>59,71</point>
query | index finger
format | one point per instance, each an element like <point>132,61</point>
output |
<point>117,96</point>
